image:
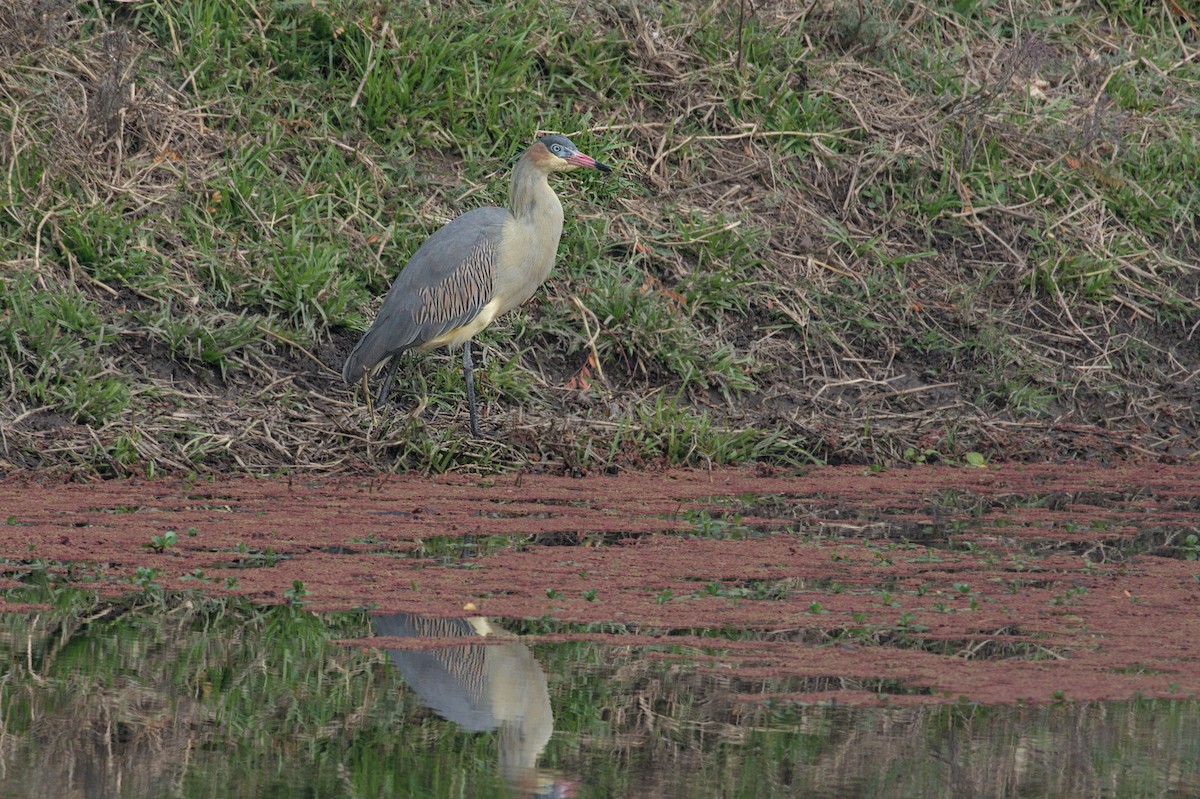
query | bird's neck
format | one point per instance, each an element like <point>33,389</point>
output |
<point>531,199</point>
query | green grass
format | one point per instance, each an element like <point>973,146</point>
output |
<point>826,230</point>
<point>62,337</point>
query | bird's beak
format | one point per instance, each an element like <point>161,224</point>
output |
<point>579,159</point>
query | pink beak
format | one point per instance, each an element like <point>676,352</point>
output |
<point>579,159</point>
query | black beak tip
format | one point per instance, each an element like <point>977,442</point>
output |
<point>604,168</point>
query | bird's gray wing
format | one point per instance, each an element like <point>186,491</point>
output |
<point>451,680</point>
<point>446,283</point>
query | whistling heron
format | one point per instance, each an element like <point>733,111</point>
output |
<point>489,682</point>
<point>479,266</point>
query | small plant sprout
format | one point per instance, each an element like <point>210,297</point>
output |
<point>161,543</point>
<point>144,577</point>
<point>295,595</point>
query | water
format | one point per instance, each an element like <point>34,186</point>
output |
<point>175,694</point>
<point>929,632</point>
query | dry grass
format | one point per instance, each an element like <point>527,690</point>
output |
<point>840,232</point>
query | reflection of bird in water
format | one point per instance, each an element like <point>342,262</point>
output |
<point>483,687</point>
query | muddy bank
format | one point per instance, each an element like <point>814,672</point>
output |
<point>909,585</point>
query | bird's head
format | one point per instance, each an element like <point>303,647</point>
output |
<point>558,154</point>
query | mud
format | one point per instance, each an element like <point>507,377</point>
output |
<point>930,584</point>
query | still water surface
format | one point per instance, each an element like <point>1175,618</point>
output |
<point>179,695</point>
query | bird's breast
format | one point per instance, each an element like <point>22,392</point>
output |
<point>526,257</point>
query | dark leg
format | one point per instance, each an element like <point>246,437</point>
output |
<point>386,385</point>
<point>467,373</point>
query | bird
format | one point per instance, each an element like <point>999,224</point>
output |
<point>472,270</point>
<point>489,682</point>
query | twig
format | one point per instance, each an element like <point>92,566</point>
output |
<point>294,345</point>
<point>585,312</point>
<point>370,65</point>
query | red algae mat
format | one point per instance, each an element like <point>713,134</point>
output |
<point>905,586</point>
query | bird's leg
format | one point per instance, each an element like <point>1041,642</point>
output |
<point>470,378</point>
<point>386,385</point>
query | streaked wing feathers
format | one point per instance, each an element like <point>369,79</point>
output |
<point>445,284</point>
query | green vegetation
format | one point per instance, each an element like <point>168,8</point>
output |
<point>858,231</point>
<point>163,542</point>
<point>193,697</point>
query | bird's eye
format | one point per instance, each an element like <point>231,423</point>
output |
<point>558,148</point>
